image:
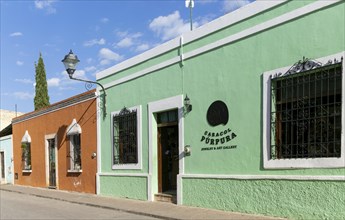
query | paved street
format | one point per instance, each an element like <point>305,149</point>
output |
<point>23,202</point>
<point>22,206</point>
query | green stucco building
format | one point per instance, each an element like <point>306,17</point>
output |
<point>262,129</point>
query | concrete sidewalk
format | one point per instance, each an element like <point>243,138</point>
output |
<point>152,209</point>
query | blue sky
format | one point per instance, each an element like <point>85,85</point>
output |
<point>101,33</point>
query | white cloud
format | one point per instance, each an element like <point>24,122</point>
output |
<point>23,95</point>
<point>205,2</point>
<point>79,74</point>
<point>104,20</point>
<point>107,56</point>
<point>170,26</point>
<point>53,82</point>
<point>142,47</point>
<point>16,34</point>
<point>126,42</point>
<point>19,63</point>
<point>229,6</point>
<point>90,68</point>
<point>25,81</point>
<point>89,60</point>
<point>128,39</point>
<point>121,33</point>
<point>94,42</point>
<point>46,5</point>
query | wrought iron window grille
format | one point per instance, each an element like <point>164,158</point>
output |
<point>125,137</point>
<point>306,111</point>
<point>75,152</point>
<point>26,156</point>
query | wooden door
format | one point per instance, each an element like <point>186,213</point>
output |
<point>168,158</point>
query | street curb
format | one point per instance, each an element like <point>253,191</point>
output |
<point>94,205</point>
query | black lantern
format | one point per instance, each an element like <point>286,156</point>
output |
<point>70,61</point>
<point>187,104</point>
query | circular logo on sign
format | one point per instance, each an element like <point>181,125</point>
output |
<point>217,113</point>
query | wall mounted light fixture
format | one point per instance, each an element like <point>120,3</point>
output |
<point>187,105</point>
<point>187,150</point>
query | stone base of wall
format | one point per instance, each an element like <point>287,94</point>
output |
<point>124,187</point>
<point>297,199</point>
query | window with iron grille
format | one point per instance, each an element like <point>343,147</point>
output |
<point>26,156</point>
<point>125,142</point>
<point>305,115</point>
<point>73,133</point>
<point>75,152</point>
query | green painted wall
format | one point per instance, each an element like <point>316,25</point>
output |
<point>124,186</point>
<point>233,73</point>
<point>155,86</point>
<point>283,198</point>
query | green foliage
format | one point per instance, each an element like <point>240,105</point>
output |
<point>41,89</point>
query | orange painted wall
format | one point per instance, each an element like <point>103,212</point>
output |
<point>57,122</point>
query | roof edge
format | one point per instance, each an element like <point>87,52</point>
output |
<point>236,16</point>
<point>57,106</point>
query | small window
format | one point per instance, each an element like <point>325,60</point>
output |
<point>26,156</point>
<point>167,117</point>
<point>126,139</point>
<point>74,134</point>
<point>304,127</point>
<point>75,152</point>
<point>26,152</point>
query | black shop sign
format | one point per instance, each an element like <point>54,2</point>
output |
<point>218,114</point>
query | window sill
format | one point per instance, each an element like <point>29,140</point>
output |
<point>127,167</point>
<point>74,171</point>
<point>304,163</point>
<point>27,171</point>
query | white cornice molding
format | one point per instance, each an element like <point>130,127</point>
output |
<point>263,177</point>
<point>227,40</point>
<point>213,26</point>
<point>125,174</point>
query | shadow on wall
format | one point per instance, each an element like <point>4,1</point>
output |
<point>61,136</point>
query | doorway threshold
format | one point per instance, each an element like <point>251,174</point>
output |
<point>166,196</point>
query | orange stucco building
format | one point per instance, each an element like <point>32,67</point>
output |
<point>56,147</point>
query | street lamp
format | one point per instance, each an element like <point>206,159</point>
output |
<point>70,61</point>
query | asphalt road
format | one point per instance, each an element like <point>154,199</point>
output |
<point>22,206</point>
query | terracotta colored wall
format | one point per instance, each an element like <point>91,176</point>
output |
<point>57,123</point>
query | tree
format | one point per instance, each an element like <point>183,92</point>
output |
<point>41,89</point>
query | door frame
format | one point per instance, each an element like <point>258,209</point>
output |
<point>155,107</point>
<point>51,136</point>
<point>3,180</point>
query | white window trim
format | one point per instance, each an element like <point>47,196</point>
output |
<point>137,166</point>
<point>46,138</point>
<point>155,107</point>
<point>75,171</point>
<point>73,129</point>
<point>26,138</point>
<point>299,163</point>
<point>26,171</point>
